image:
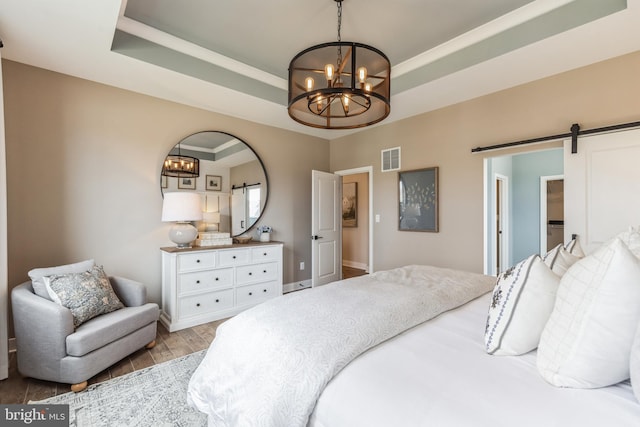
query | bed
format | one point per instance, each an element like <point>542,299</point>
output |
<point>403,347</point>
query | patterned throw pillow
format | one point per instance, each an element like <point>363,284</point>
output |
<point>522,301</point>
<point>587,341</point>
<point>86,295</point>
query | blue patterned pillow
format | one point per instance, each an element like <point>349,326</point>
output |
<point>522,301</point>
<point>86,295</point>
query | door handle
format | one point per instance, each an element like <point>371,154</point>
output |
<point>316,237</point>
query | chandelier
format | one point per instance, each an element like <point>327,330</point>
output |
<point>339,85</point>
<point>181,166</point>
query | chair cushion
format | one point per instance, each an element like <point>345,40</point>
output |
<point>86,295</point>
<point>104,329</point>
<point>36,275</point>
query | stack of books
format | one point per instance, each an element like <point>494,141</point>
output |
<point>213,238</point>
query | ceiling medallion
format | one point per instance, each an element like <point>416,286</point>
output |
<point>339,85</point>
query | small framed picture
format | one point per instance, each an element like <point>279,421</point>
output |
<point>187,183</point>
<point>163,181</point>
<point>350,204</point>
<point>214,183</point>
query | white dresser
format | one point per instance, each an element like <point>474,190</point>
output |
<point>200,285</point>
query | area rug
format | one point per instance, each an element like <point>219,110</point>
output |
<point>154,396</point>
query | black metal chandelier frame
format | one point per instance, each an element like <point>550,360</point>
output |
<point>352,98</point>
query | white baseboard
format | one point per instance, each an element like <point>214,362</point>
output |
<point>355,264</point>
<point>296,286</point>
<point>12,345</point>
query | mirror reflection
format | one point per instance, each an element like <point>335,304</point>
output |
<point>232,180</point>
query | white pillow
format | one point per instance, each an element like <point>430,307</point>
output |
<point>574,248</point>
<point>631,238</point>
<point>634,366</point>
<point>587,340</point>
<point>37,274</point>
<point>522,302</point>
<point>559,259</point>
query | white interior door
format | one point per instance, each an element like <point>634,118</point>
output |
<point>326,223</point>
<point>601,187</point>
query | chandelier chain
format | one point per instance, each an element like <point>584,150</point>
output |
<point>339,60</point>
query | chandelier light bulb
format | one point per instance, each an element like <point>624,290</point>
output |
<point>345,102</point>
<point>362,74</point>
<point>309,84</point>
<point>328,71</point>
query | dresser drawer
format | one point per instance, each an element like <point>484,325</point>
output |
<point>196,261</point>
<point>266,253</point>
<point>256,273</point>
<point>233,257</point>
<point>252,294</point>
<point>209,302</point>
<point>203,280</point>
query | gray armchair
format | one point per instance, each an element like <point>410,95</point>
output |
<point>48,347</point>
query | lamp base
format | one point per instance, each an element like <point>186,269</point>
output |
<point>182,234</point>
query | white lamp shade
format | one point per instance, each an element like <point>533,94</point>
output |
<point>181,206</point>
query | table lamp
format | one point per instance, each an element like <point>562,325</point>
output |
<point>181,207</point>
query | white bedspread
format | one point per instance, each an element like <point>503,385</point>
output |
<point>268,365</point>
<point>438,374</point>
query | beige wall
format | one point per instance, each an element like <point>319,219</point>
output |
<point>83,171</point>
<point>355,240</point>
<point>90,187</point>
<point>598,95</point>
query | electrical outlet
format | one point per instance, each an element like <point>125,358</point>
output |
<point>301,265</point>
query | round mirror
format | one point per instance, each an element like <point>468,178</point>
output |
<point>226,172</point>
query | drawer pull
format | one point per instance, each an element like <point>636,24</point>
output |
<point>197,281</point>
<point>217,279</point>
<point>197,260</point>
<point>217,300</point>
<point>234,257</point>
<point>250,273</point>
<point>250,293</point>
<point>264,290</point>
<point>265,254</point>
<point>198,305</point>
<point>264,271</point>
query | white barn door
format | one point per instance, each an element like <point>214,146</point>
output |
<point>602,187</point>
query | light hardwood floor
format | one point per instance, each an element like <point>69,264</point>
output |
<point>17,389</point>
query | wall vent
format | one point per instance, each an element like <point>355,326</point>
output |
<point>391,159</point>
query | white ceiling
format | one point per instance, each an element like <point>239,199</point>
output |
<point>232,56</point>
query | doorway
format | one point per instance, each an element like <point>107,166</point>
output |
<point>357,227</point>
<point>512,205</point>
<point>551,212</point>
<point>501,232</point>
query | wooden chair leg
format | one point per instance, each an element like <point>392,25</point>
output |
<point>150,345</point>
<point>78,387</point>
